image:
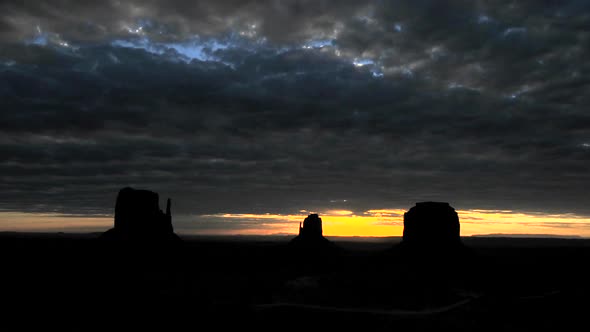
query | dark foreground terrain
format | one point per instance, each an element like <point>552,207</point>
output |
<point>77,283</point>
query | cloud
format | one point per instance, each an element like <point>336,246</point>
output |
<point>255,107</point>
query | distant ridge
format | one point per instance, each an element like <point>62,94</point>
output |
<point>28,234</point>
<point>531,236</point>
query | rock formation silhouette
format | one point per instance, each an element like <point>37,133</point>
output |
<point>430,224</point>
<point>431,238</point>
<point>138,217</point>
<point>312,227</point>
<point>310,233</point>
<point>433,254</point>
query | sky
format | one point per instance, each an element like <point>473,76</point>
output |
<point>252,114</point>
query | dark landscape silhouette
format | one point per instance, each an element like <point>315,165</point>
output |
<point>429,281</point>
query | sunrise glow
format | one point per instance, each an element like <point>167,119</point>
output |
<point>389,222</point>
<point>374,223</point>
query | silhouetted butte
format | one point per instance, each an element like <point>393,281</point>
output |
<point>138,217</point>
<point>310,233</point>
<point>432,224</point>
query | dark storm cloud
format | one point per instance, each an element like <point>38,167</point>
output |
<point>238,106</point>
<point>82,20</point>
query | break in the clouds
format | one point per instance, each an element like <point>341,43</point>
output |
<point>278,106</point>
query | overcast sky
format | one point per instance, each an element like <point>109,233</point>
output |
<point>279,106</point>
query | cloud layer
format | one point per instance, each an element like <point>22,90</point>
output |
<point>278,106</point>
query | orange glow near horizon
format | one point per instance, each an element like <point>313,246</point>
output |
<point>362,226</point>
<point>389,222</point>
<point>474,222</point>
<point>374,223</point>
<point>52,222</point>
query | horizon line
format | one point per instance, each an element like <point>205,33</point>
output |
<point>487,235</point>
